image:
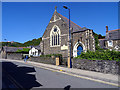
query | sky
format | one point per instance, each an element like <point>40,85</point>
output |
<point>24,21</point>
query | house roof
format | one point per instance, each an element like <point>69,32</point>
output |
<point>12,49</point>
<point>101,39</point>
<point>37,47</point>
<point>113,35</point>
<point>75,27</point>
<point>113,30</point>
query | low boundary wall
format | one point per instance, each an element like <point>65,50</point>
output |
<point>104,66</point>
<point>46,60</point>
<point>15,56</point>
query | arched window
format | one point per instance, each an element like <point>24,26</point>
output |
<point>55,36</point>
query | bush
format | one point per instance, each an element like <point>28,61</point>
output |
<point>100,55</point>
<point>23,50</point>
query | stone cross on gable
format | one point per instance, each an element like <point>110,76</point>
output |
<point>55,8</point>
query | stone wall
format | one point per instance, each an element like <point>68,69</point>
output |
<point>16,56</point>
<point>104,66</point>
<point>86,38</point>
<point>46,60</point>
<point>0,56</point>
<point>3,54</point>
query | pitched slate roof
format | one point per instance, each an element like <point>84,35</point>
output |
<point>113,35</point>
<point>75,27</point>
<point>37,47</point>
<point>12,49</point>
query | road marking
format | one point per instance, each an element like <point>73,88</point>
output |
<point>76,75</point>
<point>53,70</point>
<point>61,70</point>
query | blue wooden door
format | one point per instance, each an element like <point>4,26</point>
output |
<point>79,50</point>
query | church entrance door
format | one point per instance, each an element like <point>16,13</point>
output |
<point>79,50</point>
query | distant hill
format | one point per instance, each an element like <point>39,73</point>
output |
<point>36,42</point>
<point>33,42</point>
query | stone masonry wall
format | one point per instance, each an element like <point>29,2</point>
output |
<point>82,37</point>
<point>16,56</point>
<point>103,66</point>
<point>46,60</point>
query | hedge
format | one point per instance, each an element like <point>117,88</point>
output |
<point>100,55</point>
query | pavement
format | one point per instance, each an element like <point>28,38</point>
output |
<point>90,75</point>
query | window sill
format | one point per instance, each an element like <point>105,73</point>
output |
<point>110,46</point>
<point>55,46</point>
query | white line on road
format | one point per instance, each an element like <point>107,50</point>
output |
<point>60,71</point>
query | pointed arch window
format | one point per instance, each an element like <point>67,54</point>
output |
<point>54,17</point>
<point>55,36</point>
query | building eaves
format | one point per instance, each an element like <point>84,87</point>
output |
<point>113,35</point>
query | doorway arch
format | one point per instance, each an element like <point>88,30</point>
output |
<point>78,48</point>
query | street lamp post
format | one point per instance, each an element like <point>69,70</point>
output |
<point>69,52</point>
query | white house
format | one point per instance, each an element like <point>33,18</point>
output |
<point>34,51</point>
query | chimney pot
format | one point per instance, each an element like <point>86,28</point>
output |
<point>106,29</point>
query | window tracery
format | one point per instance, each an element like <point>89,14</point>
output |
<point>55,36</point>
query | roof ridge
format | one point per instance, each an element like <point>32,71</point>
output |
<point>68,20</point>
<point>102,39</point>
<point>113,30</point>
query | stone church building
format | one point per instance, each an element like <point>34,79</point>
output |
<point>55,39</point>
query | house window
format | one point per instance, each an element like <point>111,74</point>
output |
<point>55,36</point>
<point>35,52</point>
<point>110,43</point>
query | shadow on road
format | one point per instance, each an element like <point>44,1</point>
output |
<point>25,76</point>
<point>67,87</point>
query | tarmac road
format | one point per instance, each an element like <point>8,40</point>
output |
<point>29,77</point>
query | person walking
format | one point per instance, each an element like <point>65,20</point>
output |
<point>25,59</point>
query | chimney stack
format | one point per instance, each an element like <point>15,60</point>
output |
<point>106,29</point>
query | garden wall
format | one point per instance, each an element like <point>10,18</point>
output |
<point>46,60</point>
<point>104,66</point>
<point>15,56</point>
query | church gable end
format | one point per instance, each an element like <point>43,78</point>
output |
<point>58,21</point>
<point>55,37</point>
